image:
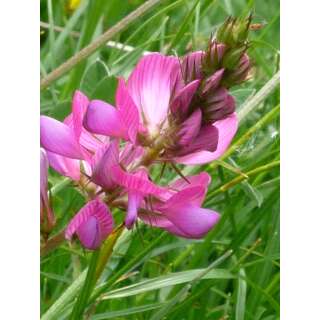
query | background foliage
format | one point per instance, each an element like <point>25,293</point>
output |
<point>155,273</point>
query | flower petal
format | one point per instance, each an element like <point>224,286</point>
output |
<point>207,139</point>
<point>46,213</point>
<point>192,195</point>
<point>193,221</point>
<point>134,200</point>
<point>133,182</point>
<point>79,107</point>
<point>65,166</point>
<point>150,86</point>
<point>227,129</point>
<point>103,118</point>
<point>57,137</point>
<point>128,110</point>
<point>93,223</point>
<point>103,162</point>
<point>183,98</point>
<point>190,129</point>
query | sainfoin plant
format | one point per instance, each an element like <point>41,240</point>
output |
<point>170,112</point>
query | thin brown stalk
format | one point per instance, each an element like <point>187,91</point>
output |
<point>96,44</point>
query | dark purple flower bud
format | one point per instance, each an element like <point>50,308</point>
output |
<point>212,60</point>
<point>241,72</point>
<point>213,82</point>
<point>191,66</point>
<point>218,106</point>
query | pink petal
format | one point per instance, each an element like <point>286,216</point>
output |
<point>46,213</point>
<point>227,129</point>
<point>191,66</point>
<point>193,221</point>
<point>93,223</point>
<point>103,118</point>
<point>134,200</point>
<point>160,221</point>
<point>183,98</point>
<point>193,195</point>
<point>128,110</point>
<point>150,86</point>
<point>133,182</point>
<point>65,166</point>
<point>57,137</point>
<point>207,139</point>
<point>130,153</point>
<point>103,162</point>
<point>202,179</point>
<point>79,107</point>
<point>190,129</point>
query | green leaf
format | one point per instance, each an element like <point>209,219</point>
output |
<point>241,296</point>
<point>92,76</point>
<point>105,89</point>
<point>165,281</point>
<point>126,312</point>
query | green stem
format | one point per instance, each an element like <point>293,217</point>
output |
<point>240,178</point>
<point>89,283</point>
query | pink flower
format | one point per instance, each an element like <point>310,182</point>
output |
<point>177,209</point>
<point>46,214</point>
<point>68,142</point>
<point>155,89</point>
<point>92,224</point>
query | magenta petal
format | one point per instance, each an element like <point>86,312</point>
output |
<point>190,128</point>
<point>160,221</point>
<point>79,107</point>
<point>207,139</point>
<point>93,223</point>
<point>183,98</point>
<point>103,162</point>
<point>150,86</point>
<point>65,166</point>
<point>202,179</point>
<point>191,66</point>
<point>57,137</point>
<point>103,118</point>
<point>46,213</point>
<point>134,200</point>
<point>130,153</point>
<point>128,110</point>
<point>134,182</point>
<point>193,195</point>
<point>227,129</point>
<point>193,221</point>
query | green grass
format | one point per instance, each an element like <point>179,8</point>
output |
<point>153,275</point>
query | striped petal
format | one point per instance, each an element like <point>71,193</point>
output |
<point>128,110</point>
<point>227,128</point>
<point>150,86</point>
<point>92,224</point>
<point>59,138</point>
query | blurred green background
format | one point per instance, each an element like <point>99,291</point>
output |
<point>246,286</point>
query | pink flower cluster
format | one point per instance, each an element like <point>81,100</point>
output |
<point>168,111</point>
